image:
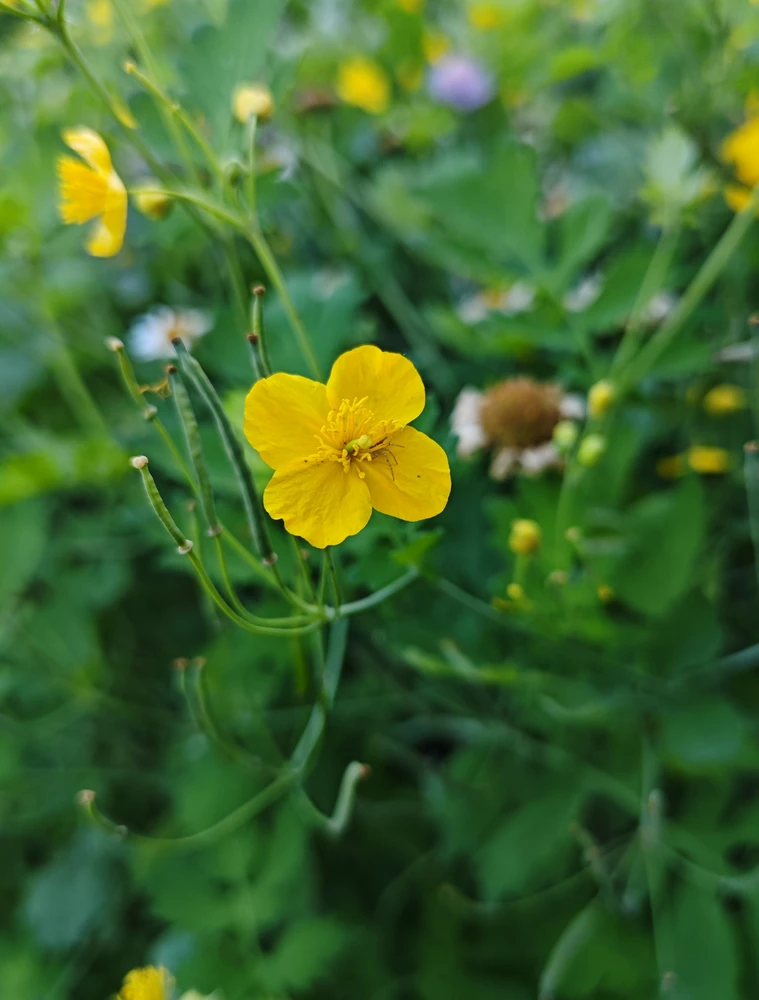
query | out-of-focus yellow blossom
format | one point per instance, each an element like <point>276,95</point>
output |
<point>724,399</point>
<point>153,202</point>
<point>486,16</point>
<point>600,397</point>
<point>434,46</point>
<point>149,983</point>
<point>525,536</point>
<point>411,6</point>
<point>515,591</point>
<point>410,75</point>
<point>591,449</point>
<point>100,15</point>
<point>741,150</point>
<point>342,449</point>
<point>92,189</point>
<point>565,435</point>
<point>252,99</point>
<point>605,593</point>
<point>672,466</point>
<point>709,461</point>
<point>364,84</point>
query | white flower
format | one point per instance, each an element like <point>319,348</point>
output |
<point>584,295</point>
<point>515,418</point>
<point>745,351</point>
<point>150,336</point>
<point>518,298</point>
<point>659,308</point>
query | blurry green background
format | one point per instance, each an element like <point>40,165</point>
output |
<point>564,795</point>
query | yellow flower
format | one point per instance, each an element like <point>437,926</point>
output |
<point>92,189</point>
<point>363,84</point>
<point>435,46</point>
<point>147,984</point>
<point>741,150</point>
<point>724,399</point>
<point>251,99</point>
<point>410,6</point>
<point>600,398</point>
<point>100,15</point>
<point>341,449</point>
<point>486,16</point>
<point>709,461</point>
<point>525,536</point>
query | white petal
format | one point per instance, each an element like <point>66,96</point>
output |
<point>503,463</point>
<point>535,460</point>
<point>466,422</point>
<point>192,323</point>
<point>745,351</point>
<point>584,294</point>
<point>518,299</point>
<point>572,406</point>
<point>474,309</point>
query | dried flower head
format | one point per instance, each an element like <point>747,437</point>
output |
<point>150,338</point>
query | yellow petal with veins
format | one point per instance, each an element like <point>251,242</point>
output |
<point>90,146</point>
<point>318,501</point>
<point>411,479</point>
<point>283,416</point>
<point>390,384</point>
<point>107,237</point>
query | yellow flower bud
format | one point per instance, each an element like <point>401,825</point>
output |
<point>565,435</point>
<point>605,593</point>
<point>252,99</point>
<point>600,398</point>
<point>153,203</point>
<point>515,592</point>
<point>709,461</point>
<point>525,536</point>
<point>591,449</point>
<point>672,466</point>
<point>724,399</point>
<point>484,16</point>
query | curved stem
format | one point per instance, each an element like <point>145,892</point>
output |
<point>355,607</point>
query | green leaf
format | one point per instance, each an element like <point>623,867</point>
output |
<point>703,948</point>
<point>706,732</point>
<point>23,531</point>
<point>665,535</point>
<point>304,954</point>
<point>583,230</point>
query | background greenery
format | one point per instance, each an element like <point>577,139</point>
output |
<point>563,798</point>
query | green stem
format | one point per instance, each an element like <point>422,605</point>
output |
<point>302,756</point>
<point>334,579</point>
<point>195,450</point>
<point>334,826</point>
<point>355,607</point>
<point>74,389</point>
<point>711,269</point>
<point>251,129</point>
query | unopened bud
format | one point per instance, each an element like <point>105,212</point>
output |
<point>114,344</point>
<point>605,593</point>
<point>86,797</point>
<point>139,461</point>
<point>600,397</point>
<point>153,203</point>
<point>525,536</point>
<point>515,591</point>
<point>253,338</point>
<point>724,399</point>
<point>130,67</point>
<point>251,100</point>
<point>565,435</point>
<point>259,291</point>
<point>181,663</point>
<point>591,449</point>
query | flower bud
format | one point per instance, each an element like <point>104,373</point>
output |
<point>600,398</point>
<point>515,592</point>
<point>252,100</point>
<point>591,449</point>
<point>709,461</point>
<point>605,593</point>
<point>525,536</point>
<point>565,435</point>
<point>153,203</point>
<point>724,399</point>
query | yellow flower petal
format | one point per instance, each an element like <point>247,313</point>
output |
<point>363,84</point>
<point>391,385</point>
<point>319,501</point>
<point>147,984</point>
<point>83,190</point>
<point>283,416</point>
<point>412,479</point>
<point>107,237</point>
<point>737,197</point>
<point>90,146</point>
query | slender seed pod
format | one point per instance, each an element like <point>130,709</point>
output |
<point>184,545</point>
<point>195,449</point>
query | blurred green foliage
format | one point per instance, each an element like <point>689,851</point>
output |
<point>563,800</point>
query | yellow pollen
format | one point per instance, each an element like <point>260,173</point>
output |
<point>353,434</point>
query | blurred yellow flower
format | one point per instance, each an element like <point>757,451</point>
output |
<point>709,461</point>
<point>525,536</point>
<point>251,99</point>
<point>591,450</point>
<point>486,16</point>
<point>341,449</point>
<point>724,399</point>
<point>92,189</point>
<point>515,591</point>
<point>741,150</point>
<point>147,984</point>
<point>100,15</point>
<point>364,84</point>
<point>434,46</point>
<point>411,6</point>
<point>600,397</point>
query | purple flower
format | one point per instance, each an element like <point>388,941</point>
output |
<point>460,83</point>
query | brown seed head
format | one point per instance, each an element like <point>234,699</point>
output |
<point>521,413</point>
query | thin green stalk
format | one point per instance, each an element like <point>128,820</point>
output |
<point>258,340</point>
<point>189,424</point>
<point>711,269</point>
<point>652,282</point>
<point>334,579</point>
<point>334,826</point>
<point>251,129</point>
<point>73,387</point>
<point>572,939</point>
<point>355,607</point>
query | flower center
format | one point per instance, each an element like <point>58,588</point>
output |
<point>353,435</point>
<point>520,413</point>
